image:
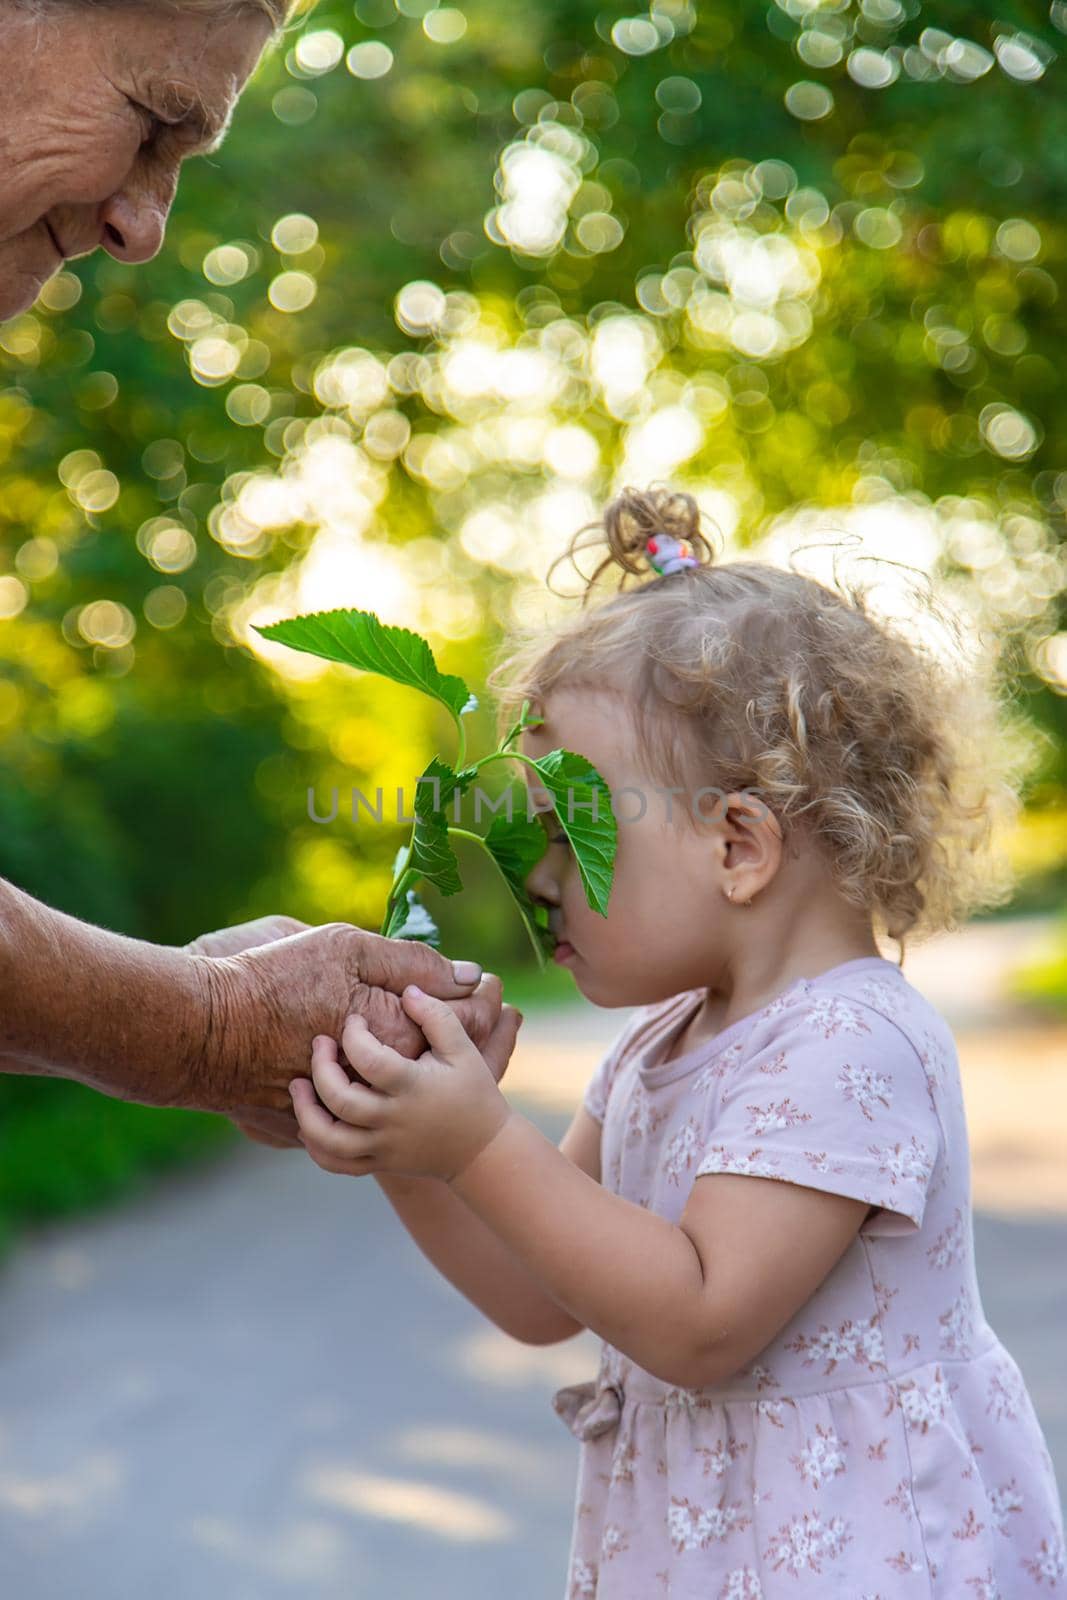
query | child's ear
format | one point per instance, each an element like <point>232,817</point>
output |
<point>752,838</point>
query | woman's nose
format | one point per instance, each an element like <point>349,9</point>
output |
<point>132,225</point>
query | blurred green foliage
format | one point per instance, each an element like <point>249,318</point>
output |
<point>456,271</point>
<point>1043,982</point>
<point>63,1148</point>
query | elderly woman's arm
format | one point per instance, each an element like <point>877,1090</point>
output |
<point>221,1032</point>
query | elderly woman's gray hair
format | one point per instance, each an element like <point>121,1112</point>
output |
<point>279,11</point>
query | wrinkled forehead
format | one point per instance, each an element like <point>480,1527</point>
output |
<point>194,62</point>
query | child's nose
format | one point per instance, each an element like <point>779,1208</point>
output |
<point>541,883</point>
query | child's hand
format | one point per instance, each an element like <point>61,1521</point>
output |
<point>425,1118</point>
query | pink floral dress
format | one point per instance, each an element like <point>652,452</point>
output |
<point>883,1446</point>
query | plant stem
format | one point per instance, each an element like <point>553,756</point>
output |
<point>506,755</point>
<point>464,833</point>
<point>502,755</point>
<point>400,886</point>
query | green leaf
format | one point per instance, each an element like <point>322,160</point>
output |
<point>409,919</point>
<point>582,803</point>
<point>431,855</point>
<point>516,846</point>
<point>358,639</point>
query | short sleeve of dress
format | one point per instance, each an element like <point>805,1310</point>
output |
<point>828,1093</point>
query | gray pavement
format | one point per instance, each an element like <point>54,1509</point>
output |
<point>247,1385</point>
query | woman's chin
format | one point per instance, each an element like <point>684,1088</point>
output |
<point>26,264</point>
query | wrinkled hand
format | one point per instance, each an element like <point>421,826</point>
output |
<point>245,936</point>
<point>424,1118</point>
<point>277,1129</point>
<point>266,1003</point>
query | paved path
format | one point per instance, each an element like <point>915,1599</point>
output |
<point>249,1386</point>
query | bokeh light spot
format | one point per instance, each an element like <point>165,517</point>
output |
<point>76,465</point>
<point>14,597</point>
<point>376,13</point>
<point>319,50</point>
<point>371,59</point>
<point>166,606</point>
<point>61,292</point>
<point>808,102</point>
<point>295,233</point>
<point>872,69</point>
<point>228,263</point>
<point>964,59</point>
<point>37,559</point>
<point>213,360</point>
<point>386,435</point>
<point>248,404</point>
<point>96,491</point>
<point>106,623</point>
<point>678,94</point>
<point>572,452</point>
<point>169,546</point>
<point>97,391</point>
<point>1022,57</point>
<point>1007,432</point>
<point>445,25</point>
<point>878,228</point>
<point>419,307</point>
<point>599,232</point>
<point>189,319</point>
<point>1050,659</point>
<point>294,105</point>
<point>163,458</point>
<point>292,291</point>
<point>636,36</point>
<point>817,48</point>
<point>1019,240</point>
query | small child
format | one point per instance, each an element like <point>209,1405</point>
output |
<point>763,1206</point>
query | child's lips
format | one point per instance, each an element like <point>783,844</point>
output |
<point>564,949</point>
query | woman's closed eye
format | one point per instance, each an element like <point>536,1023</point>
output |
<point>151,124</point>
<point>154,127</point>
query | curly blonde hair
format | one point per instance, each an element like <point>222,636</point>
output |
<point>745,675</point>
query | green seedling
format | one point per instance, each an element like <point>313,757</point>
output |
<point>516,839</point>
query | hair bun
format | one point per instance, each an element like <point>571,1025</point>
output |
<point>636,516</point>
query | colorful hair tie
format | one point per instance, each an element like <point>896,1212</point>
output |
<point>667,554</point>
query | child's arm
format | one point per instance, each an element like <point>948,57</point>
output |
<point>691,1303</point>
<point>465,1250</point>
<point>462,1247</point>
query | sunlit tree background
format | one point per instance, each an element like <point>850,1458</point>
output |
<point>457,273</point>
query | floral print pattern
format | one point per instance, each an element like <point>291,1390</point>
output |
<point>883,1446</point>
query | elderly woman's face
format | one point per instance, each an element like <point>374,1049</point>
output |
<point>99,108</point>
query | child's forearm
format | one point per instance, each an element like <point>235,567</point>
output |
<point>467,1252</point>
<point>629,1275</point>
